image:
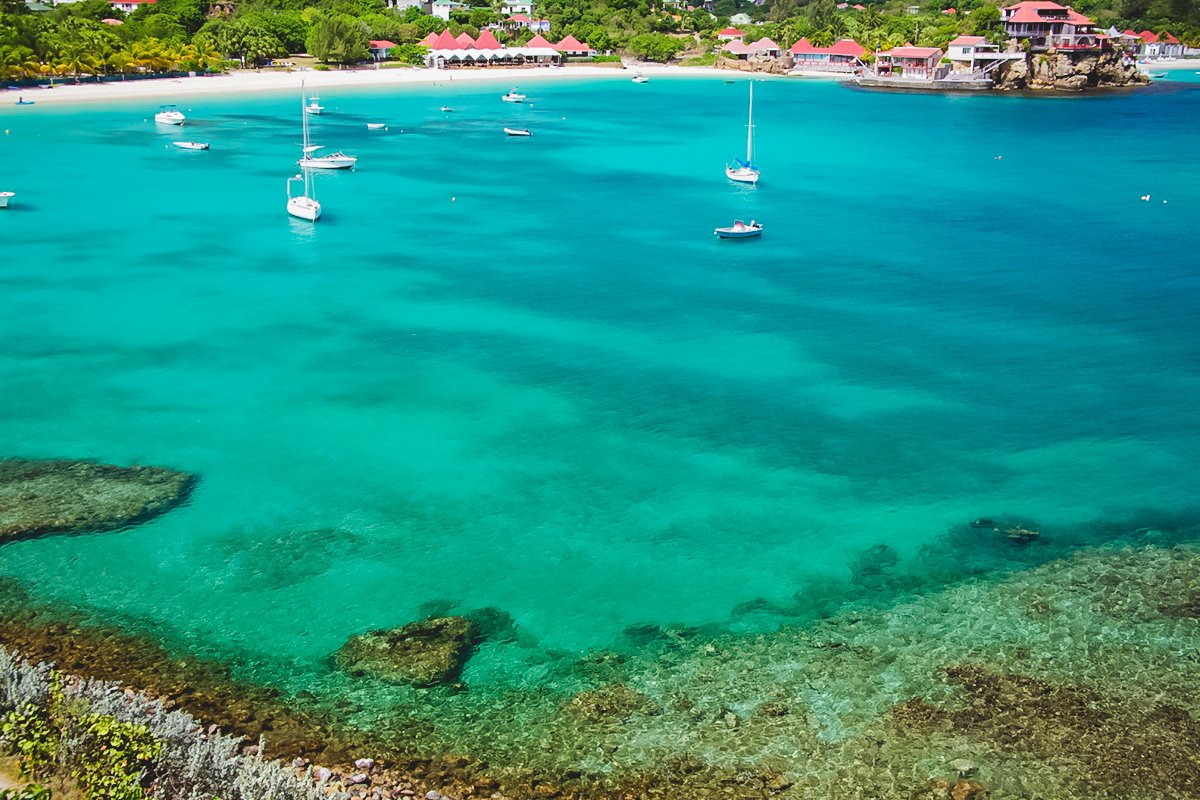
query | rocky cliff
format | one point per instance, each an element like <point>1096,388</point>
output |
<point>1067,72</point>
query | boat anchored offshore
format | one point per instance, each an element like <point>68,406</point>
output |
<point>338,160</point>
<point>304,206</point>
<point>191,145</point>
<point>447,109</point>
<point>375,126</point>
<point>518,132</point>
<point>740,230</point>
<point>5,197</point>
<point>314,105</point>
<point>640,78</point>
<point>513,96</point>
<point>744,171</point>
<point>169,115</point>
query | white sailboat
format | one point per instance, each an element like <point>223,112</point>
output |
<point>314,105</point>
<point>304,206</point>
<point>744,171</point>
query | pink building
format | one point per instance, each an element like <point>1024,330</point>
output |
<point>1048,25</point>
<point>842,56</point>
<point>729,35</point>
<point>909,61</point>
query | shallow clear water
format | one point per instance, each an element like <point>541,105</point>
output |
<point>522,373</point>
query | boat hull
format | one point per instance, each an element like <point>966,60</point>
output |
<point>328,163</point>
<point>742,175</point>
<point>375,126</point>
<point>514,132</point>
<point>191,145</point>
<point>169,119</point>
<point>510,98</point>
<point>304,208</point>
<point>5,197</point>
<point>739,232</point>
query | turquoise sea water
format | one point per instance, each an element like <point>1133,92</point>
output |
<point>523,374</point>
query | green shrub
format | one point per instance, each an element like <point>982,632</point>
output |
<point>31,791</point>
<point>113,757</point>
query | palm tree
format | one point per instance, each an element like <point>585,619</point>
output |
<point>122,62</point>
<point>18,62</point>
<point>77,60</point>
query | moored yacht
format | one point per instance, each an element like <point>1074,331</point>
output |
<point>169,115</point>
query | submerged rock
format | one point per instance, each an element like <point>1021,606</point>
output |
<point>423,653</point>
<point>613,703</point>
<point>60,496</point>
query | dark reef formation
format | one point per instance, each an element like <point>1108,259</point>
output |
<point>423,653</point>
<point>58,496</point>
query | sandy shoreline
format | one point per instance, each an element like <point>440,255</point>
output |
<point>248,81</point>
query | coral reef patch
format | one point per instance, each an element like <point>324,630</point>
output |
<point>59,496</point>
<point>424,653</point>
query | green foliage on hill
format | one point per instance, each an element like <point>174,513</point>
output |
<point>72,40</point>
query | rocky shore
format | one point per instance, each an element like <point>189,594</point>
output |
<point>1067,72</point>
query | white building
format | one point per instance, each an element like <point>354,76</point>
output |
<point>516,7</point>
<point>442,8</point>
<point>130,6</point>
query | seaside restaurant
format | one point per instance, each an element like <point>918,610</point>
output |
<point>909,61</point>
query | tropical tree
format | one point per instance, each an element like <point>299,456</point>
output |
<point>338,39</point>
<point>18,62</point>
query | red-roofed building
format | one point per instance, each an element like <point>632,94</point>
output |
<point>465,41</point>
<point>729,35</point>
<point>909,61</point>
<point>842,56</point>
<point>1155,46</point>
<point>130,6</point>
<point>380,48</point>
<point>763,48</point>
<point>430,40</point>
<point>950,12</point>
<point>539,41</point>
<point>111,21</point>
<point>570,46</point>
<point>487,41</point>
<point>1047,25</point>
<point>858,7</point>
<point>445,41</point>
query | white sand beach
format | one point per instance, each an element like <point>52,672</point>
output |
<point>242,81</point>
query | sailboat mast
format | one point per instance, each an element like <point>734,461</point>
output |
<point>304,148</point>
<point>750,128</point>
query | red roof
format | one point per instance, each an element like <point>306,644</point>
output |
<point>429,40</point>
<point>445,41</point>
<point>730,32</point>
<point>570,44</point>
<point>763,44</point>
<point>844,47</point>
<point>1029,11</point>
<point>738,48</point>
<point>964,41</point>
<point>539,41</point>
<point>949,11</point>
<point>111,21</point>
<point>487,41</point>
<point>857,7</point>
<point>382,44</point>
<point>519,18</point>
<point>465,41</point>
<point>1152,38</point>
<point>908,51</point>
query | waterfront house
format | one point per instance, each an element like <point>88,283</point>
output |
<point>763,48</point>
<point>729,35</point>
<point>1155,46</point>
<point>570,46</point>
<point>130,6</point>
<point>380,48</point>
<point>909,61</point>
<point>1045,25</point>
<point>844,55</point>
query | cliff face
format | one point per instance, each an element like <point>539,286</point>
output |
<point>1067,72</point>
<point>773,66</point>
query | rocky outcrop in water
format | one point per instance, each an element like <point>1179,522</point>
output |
<point>1066,72</point>
<point>423,653</point>
<point>40,497</point>
<point>612,703</point>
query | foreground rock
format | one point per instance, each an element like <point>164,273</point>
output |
<point>40,497</point>
<point>423,653</point>
<point>1068,72</point>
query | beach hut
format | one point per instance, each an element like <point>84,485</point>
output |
<point>380,48</point>
<point>570,46</point>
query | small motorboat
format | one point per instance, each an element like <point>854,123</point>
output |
<point>21,101</point>
<point>740,230</point>
<point>5,197</point>
<point>375,126</point>
<point>338,160</point>
<point>314,105</point>
<point>447,109</point>
<point>169,115</point>
<point>191,145</point>
<point>518,132</point>
<point>513,96</point>
<point>1157,75</point>
<point>641,79</point>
